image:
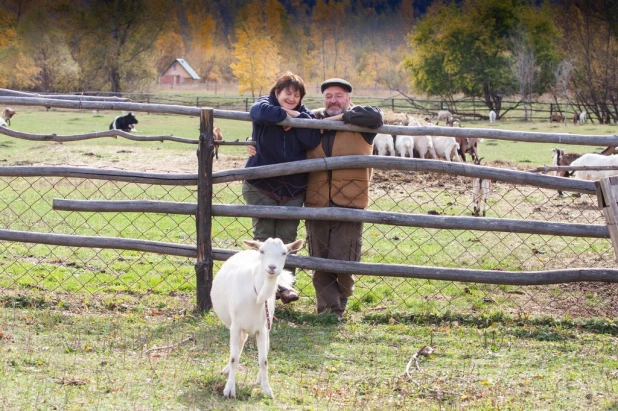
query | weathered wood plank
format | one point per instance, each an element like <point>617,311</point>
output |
<point>343,214</point>
<point>203,221</point>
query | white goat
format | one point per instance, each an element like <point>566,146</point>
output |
<point>243,296</point>
<point>592,160</point>
<point>446,116</point>
<point>3,123</point>
<point>422,144</point>
<point>405,145</point>
<point>383,143</point>
<point>492,116</point>
<point>446,147</point>
<point>582,117</point>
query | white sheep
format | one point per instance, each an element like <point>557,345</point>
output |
<point>243,296</point>
<point>492,116</point>
<point>383,143</point>
<point>594,160</point>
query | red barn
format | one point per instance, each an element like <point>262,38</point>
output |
<point>179,72</point>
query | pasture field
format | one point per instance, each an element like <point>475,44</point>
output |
<point>78,333</point>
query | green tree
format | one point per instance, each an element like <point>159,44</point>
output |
<point>470,48</point>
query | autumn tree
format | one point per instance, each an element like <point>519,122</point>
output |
<point>114,40</point>
<point>256,55</point>
<point>591,41</point>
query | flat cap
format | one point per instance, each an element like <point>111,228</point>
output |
<point>336,82</point>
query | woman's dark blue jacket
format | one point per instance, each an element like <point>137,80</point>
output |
<point>275,146</point>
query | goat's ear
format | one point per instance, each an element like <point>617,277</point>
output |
<point>255,244</point>
<point>295,246</point>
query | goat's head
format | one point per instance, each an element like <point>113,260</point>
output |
<point>273,253</point>
<point>557,155</point>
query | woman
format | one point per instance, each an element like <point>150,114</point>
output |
<point>274,145</point>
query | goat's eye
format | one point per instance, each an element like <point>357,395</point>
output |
<point>261,252</point>
<point>284,253</point>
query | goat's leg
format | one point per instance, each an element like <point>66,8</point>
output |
<point>230,386</point>
<point>476,196</point>
<point>242,341</point>
<point>262,339</point>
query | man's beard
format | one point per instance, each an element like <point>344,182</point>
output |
<point>334,110</point>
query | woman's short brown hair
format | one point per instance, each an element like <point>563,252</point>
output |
<point>289,79</point>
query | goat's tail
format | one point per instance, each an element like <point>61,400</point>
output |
<point>286,279</point>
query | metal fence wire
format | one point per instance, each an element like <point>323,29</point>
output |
<point>112,277</point>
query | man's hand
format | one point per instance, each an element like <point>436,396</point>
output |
<point>251,150</point>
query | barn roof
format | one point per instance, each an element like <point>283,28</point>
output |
<point>187,67</point>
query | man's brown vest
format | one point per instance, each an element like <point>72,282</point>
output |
<point>347,187</point>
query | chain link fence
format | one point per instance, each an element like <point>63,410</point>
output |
<point>116,278</point>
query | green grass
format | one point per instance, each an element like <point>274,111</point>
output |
<point>72,358</point>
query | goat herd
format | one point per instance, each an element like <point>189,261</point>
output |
<point>437,147</point>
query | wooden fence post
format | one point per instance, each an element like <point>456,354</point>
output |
<point>203,220</point>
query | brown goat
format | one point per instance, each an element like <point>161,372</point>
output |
<point>7,113</point>
<point>216,132</point>
<point>556,118</point>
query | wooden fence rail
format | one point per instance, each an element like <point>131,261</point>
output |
<point>556,138</point>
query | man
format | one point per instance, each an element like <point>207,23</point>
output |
<point>348,188</point>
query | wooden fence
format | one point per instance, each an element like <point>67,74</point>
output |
<point>204,210</point>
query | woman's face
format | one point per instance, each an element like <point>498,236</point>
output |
<point>288,98</point>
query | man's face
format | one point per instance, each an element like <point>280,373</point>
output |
<point>336,100</point>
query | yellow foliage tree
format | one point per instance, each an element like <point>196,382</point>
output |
<point>256,54</point>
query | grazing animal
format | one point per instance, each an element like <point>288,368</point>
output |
<point>7,114</point>
<point>3,123</point>
<point>124,123</point>
<point>383,144</point>
<point>243,296</point>
<point>582,117</point>
<point>592,160</point>
<point>422,144</point>
<point>575,118</point>
<point>492,116</point>
<point>405,146</point>
<point>562,158</point>
<point>446,116</point>
<point>218,136</point>
<point>556,118</point>
<point>480,192</point>
<point>446,147</point>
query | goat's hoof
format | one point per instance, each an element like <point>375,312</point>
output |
<point>267,391</point>
<point>229,392</point>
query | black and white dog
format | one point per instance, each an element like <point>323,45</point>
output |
<point>124,123</point>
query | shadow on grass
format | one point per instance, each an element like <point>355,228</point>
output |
<point>484,320</point>
<point>297,340</point>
